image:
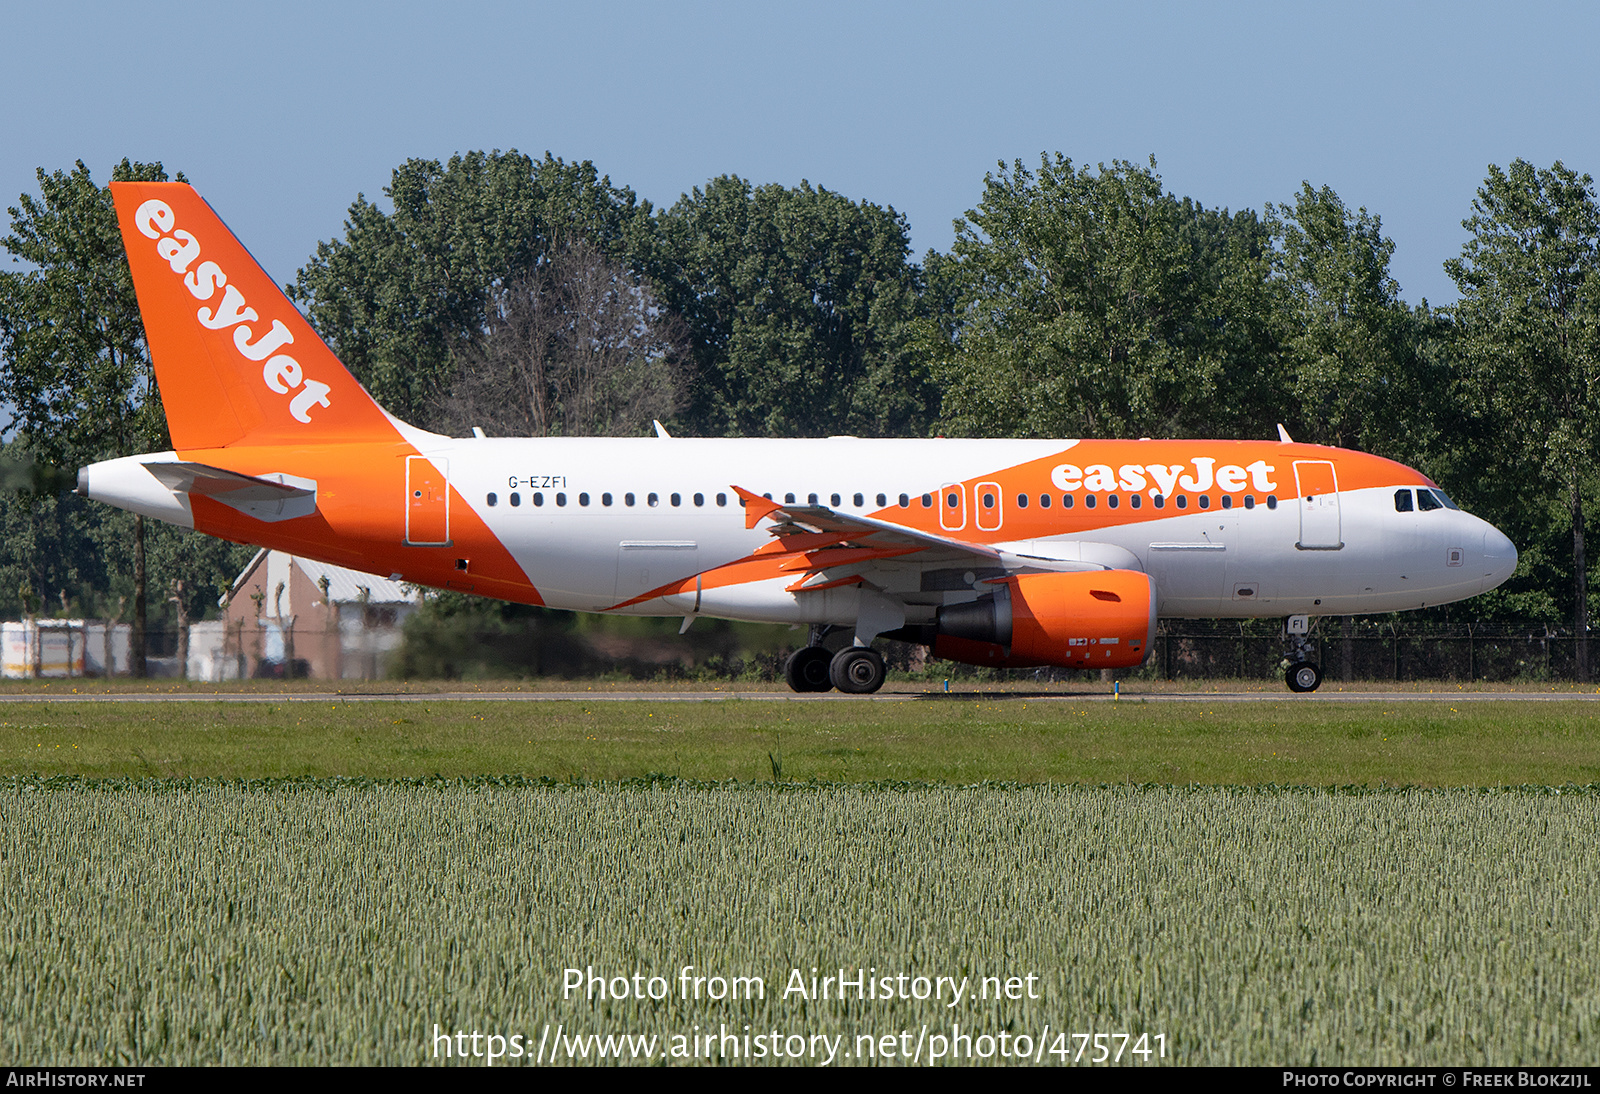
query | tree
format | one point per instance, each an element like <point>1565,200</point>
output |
<point>76,369</point>
<point>401,290</point>
<point>54,544</point>
<point>800,306</point>
<point>1529,330</point>
<point>575,347</point>
<point>1351,347</point>
<point>1091,303</point>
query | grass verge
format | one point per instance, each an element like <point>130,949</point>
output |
<point>965,741</point>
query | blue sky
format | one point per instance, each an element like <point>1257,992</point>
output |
<point>281,114</point>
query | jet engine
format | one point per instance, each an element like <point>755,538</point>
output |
<point>1103,619</point>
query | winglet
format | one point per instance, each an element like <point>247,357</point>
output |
<point>755,506</point>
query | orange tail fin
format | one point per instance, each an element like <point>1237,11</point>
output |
<point>236,361</point>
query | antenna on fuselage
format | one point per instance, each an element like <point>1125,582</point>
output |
<point>1283,435</point>
<point>661,430</point>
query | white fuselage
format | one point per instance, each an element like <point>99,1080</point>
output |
<point>1234,562</point>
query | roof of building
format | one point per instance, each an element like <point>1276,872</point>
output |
<point>344,586</point>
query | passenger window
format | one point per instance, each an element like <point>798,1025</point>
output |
<point>1113,501</point>
<point>1161,501</point>
<point>1272,501</point>
<point>699,499</point>
<point>722,499</point>
<point>952,500</point>
<point>538,498</point>
<point>493,500</point>
<point>1066,501</point>
<point>677,499</point>
<point>1135,501</point>
<point>1227,501</point>
<point>927,501</point>
<point>988,500</point>
<point>1044,501</point>
<point>811,499</point>
<point>516,498</point>
<point>627,499</point>
<point>833,499</point>
<point>788,499</point>
<point>1402,501</point>
<point>1022,501</point>
<point>1205,501</point>
<point>859,501</point>
<point>653,500</point>
<point>583,499</point>
<point>905,501</point>
<point>1427,502</point>
<point>883,499</point>
<point>1183,501</point>
<point>561,499</point>
<point>1089,501</point>
<point>1249,501</point>
<point>605,499</point>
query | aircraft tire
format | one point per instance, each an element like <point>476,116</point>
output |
<point>807,670</point>
<point>857,670</point>
<point>1303,676</point>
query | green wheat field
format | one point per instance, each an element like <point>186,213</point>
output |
<point>1240,884</point>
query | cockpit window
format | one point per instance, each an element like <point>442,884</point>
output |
<point>1442,496</point>
<point>1402,501</point>
<point>1426,501</point>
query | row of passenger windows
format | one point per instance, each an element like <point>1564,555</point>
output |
<point>952,500</point>
<point>606,499</point>
<point>988,500</point>
<point>1135,501</point>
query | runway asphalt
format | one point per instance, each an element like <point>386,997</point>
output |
<point>829,697</point>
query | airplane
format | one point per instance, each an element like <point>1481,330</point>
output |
<point>1007,553</point>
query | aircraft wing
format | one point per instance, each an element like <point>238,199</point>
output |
<point>853,530</point>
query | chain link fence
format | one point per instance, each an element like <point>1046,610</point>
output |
<point>1191,649</point>
<point>1184,650</point>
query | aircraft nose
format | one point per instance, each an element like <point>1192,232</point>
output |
<point>1499,558</point>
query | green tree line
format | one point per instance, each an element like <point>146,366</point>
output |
<point>1075,301</point>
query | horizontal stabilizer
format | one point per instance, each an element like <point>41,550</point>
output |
<point>271,497</point>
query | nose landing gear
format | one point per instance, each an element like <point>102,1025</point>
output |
<point>1302,674</point>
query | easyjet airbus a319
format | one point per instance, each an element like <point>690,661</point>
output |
<point>992,552</point>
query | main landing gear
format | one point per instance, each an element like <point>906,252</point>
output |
<point>1302,673</point>
<point>854,670</point>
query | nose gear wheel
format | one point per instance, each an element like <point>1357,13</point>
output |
<point>1303,676</point>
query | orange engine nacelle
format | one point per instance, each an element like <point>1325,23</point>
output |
<point>1103,619</point>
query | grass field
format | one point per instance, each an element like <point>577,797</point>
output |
<point>177,922</point>
<point>995,738</point>
<point>322,881</point>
